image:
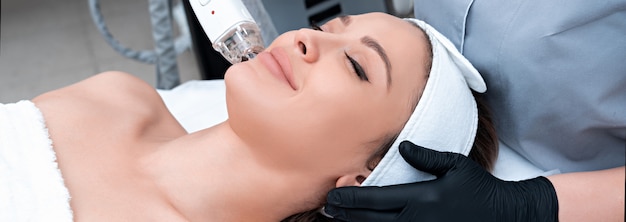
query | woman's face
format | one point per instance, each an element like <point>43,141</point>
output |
<point>325,99</point>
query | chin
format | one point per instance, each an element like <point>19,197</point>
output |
<point>233,70</point>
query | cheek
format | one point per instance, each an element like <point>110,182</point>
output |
<point>340,117</point>
<point>339,106</point>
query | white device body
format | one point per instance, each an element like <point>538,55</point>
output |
<point>230,27</point>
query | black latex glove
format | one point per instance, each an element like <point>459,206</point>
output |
<point>463,191</point>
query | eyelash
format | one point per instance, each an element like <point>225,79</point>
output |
<point>316,27</point>
<point>356,67</point>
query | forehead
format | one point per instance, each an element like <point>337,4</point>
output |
<point>404,43</point>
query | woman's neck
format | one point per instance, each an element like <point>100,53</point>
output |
<point>213,175</point>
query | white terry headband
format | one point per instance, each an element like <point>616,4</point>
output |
<point>446,117</point>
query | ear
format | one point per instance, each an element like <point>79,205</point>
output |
<point>355,179</point>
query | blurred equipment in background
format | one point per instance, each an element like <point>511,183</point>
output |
<point>166,48</point>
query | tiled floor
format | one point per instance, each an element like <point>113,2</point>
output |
<point>45,45</point>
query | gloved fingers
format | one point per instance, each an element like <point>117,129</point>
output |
<point>427,160</point>
<point>364,215</point>
<point>375,198</point>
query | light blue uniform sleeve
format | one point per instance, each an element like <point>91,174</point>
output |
<point>555,73</point>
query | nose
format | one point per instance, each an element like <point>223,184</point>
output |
<point>306,43</point>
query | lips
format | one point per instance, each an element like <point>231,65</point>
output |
<point>277,62</point>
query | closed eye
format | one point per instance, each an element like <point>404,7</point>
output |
<point>357,68</point>
<point>316,27</point>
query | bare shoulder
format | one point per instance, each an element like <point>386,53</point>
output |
<point>112,101</point>
<point>117,90</point>
<point>118,87</point>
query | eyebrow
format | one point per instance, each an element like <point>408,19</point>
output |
<point>373,44</point>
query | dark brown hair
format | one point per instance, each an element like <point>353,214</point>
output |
<point>485,148</point>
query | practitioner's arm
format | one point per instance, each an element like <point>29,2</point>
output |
<point>591,196</point>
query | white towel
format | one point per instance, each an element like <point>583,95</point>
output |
<point>31,186</point>
<point>197,104</point>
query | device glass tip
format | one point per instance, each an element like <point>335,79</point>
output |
<point>241,43</point>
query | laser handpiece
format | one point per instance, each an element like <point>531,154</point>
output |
<point>230,27</point>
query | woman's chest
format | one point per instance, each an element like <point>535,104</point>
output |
<point>98,153</point>
<point>100,173</point>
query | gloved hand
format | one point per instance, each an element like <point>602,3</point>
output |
<point>463,191</point>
